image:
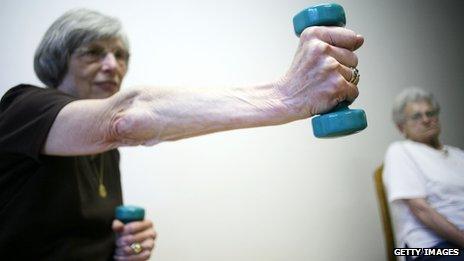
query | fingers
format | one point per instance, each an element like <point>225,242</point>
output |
<point>148,245</point>
<point>345,71</point>
<point>136,227</point>
<point>145,255</point>
<point>351,92</point>
<point>321,71</point>
<point>344,89</point>
<point>335,36</point>
<point>320,48</point>
<point>334,46</point>
<point>124,240</point>
<point>340,76</point>
<point>141,232</point>
<point>343,56</point>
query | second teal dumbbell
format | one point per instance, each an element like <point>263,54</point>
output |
<point>341,121</point>
<point>127,213</point>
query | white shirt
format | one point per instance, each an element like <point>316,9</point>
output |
<point>415,170</point>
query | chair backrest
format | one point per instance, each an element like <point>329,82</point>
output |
<point>385,213</point>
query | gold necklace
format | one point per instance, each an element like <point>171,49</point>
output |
<point>101,186</point>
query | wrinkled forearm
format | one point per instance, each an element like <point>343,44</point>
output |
<point>437,222</point>
<point>164,114</point>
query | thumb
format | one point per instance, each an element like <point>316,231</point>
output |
<point>117,226</point>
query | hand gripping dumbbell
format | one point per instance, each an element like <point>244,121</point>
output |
<point>127,214</point>
<point>341,120</point>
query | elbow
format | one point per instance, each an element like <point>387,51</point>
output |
<point>133,127</point>
<point>122,127</point>
<point>132,120</point>
<point>419,207</point>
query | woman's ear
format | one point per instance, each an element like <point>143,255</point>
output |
<point>401,128</point>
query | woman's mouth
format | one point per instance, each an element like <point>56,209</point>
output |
<point>107,86</point>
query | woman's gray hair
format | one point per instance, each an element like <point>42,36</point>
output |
<point>73,29</point>
<point>411,94</point>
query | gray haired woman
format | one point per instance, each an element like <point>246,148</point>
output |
<point>424,179</point>
<point>59,204</point>
<point>415,126</point>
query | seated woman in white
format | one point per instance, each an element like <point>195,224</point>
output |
<point>424,179</point>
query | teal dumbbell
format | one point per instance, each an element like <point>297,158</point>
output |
<point>126,213</point>
<point>341,120</point>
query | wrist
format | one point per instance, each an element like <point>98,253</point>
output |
<point>290,95</point>
<point>266,103</point>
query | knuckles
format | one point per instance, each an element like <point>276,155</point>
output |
<point>355,60</point>
<point>340,85</point>
<point>311,32</point>
<point>316,48</point>
<point>331,64</point>
<point>330,35</point>
<point>336,89</point>
<point>318,72</point>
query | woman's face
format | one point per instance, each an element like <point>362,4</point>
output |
<point>421,123</point>
<point>96,70</point>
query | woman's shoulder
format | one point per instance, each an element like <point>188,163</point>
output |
<point>396,145</point>
<point>20,90</point>
<point>454,150</point>
<point>29,95</point>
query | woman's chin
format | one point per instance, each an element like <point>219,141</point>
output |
<point>100,93</point>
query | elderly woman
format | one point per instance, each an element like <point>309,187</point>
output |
<point>56,207</point>
<point>59,174</point>
<point>424,178</point>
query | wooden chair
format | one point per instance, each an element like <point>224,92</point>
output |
<point>385,213</point>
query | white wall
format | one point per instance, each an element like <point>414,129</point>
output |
<point>274,193</point>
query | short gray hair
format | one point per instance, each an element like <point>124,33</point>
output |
<point>73,29</point>
<point>411,94</point>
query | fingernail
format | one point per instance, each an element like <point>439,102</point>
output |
<point>360,40</point>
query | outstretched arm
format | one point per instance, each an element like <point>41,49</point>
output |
<point>316,82</point>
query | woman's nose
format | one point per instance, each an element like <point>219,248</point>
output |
<point>109,62</point>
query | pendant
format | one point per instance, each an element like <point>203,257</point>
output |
<point>102,191</point>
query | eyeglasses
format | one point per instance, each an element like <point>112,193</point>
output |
<point>96,53</point>
<point>419,115</point>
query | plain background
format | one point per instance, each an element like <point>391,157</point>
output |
<point>273,193</point>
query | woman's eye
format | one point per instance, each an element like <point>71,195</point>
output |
<point>96,53</point>
<point>121,55</point>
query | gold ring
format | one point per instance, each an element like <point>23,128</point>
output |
<point>137,248</point>
<point>355,75</point>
